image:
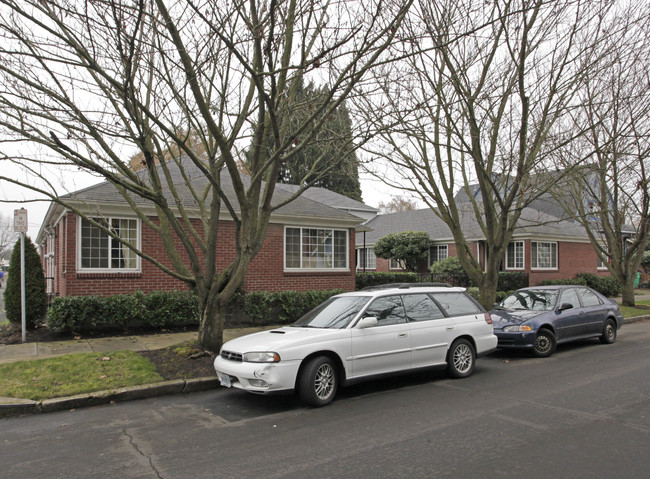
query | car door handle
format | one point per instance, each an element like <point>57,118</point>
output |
<point>449,328</point>
<point>401,335</point>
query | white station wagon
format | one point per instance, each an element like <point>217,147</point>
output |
<point>361,335</point>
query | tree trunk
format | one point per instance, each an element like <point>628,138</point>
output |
<point>213,318</point>
<point>628,291</point>
<point>488,294</point>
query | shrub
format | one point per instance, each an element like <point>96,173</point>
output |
<point>605,285</point>
<point>35,297</point>
<point>608,286</point>
<point>365,280</point>
<point>285,307</point>
<point>448,266</point>
<point>164,309</point>
<point>122,312</point>
<point>511,280</point>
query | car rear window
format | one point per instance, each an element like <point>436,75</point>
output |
<point>456,304</point>
<point>420,307</point>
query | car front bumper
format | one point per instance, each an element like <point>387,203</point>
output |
<point>259,378</point>
<point>515,340</point>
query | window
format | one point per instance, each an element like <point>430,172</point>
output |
<point>515,255</point>
<point>570,296</point>
<point>396,264</point>
<point>387,310</point>
<point>456,304</point>
<point>315,248</point>
<point>543,255</point>
<point>98,250</point>
<point>437,253</point>
<point>366,258</point>
<point>420,307</point>
<point>588,298</point>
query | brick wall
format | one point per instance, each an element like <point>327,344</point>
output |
<point>265,273</point>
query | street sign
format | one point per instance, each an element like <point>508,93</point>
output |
<point>20,220</point>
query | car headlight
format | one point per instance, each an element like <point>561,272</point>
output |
<point>520,328</point>
<point>265,357</point>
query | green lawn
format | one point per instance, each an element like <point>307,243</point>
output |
<point>72,374</point>
<point>629,312</point>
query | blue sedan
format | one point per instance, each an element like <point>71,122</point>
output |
<point>539,318</point>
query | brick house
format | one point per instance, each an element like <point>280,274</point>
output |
<point>309,244</point>
<point>546,245</point>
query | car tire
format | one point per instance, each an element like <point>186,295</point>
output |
<point>461,358</point>
<point>609,332</point>
<point>318,382</point>
<point>545,343</point>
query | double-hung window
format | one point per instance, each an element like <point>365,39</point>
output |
<point>437,253</point>
<point>515,255</point>
<point>100,251</point>
<point>543,255</point>
<point>366,258</point>
<point>315,248</point>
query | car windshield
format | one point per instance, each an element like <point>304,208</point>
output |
<point>531,299</point>
<point>335,313</point>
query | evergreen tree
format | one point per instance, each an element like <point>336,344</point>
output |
<point>330,156</point>
<point>35,298</point>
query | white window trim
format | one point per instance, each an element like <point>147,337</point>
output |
<point>315,270</point>
<point>523,258</point>
<point>557,257</point>
<point>368,250</point>
<point>138,259</point>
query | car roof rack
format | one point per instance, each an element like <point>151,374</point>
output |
<point>405,286</point>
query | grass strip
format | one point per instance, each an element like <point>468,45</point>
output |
<point>72,374</point>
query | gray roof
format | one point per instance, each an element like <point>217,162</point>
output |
<point>533,222</point>
<point>316,204</point>
<point>329,197</point>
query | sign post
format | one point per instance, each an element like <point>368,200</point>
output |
<point>20,226</point>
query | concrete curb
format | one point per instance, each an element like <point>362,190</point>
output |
<point>17,407</point>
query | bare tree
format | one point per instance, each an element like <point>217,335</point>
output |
<point>89,83</point>
<point>8,237</point>
<point>396,205</point>
<point>482,99</point>
<point>610,196</point>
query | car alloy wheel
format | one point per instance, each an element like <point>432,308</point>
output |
<point>324,382</point>
<point>460,359</point>
<point>318,382</point>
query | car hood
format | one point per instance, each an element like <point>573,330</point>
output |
<point>280,339</point>
<point>503,317</point>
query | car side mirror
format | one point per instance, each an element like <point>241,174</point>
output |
<point>367,322</point>
<point>565,306</point>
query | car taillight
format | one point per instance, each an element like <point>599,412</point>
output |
<point>488,318</point>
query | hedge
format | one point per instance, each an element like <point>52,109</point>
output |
<point>166,309</point>
<point>375,279</point>
<point>122,312</point>
<point>605,285</point>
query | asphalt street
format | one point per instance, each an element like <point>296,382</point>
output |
<point>582,413</point>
